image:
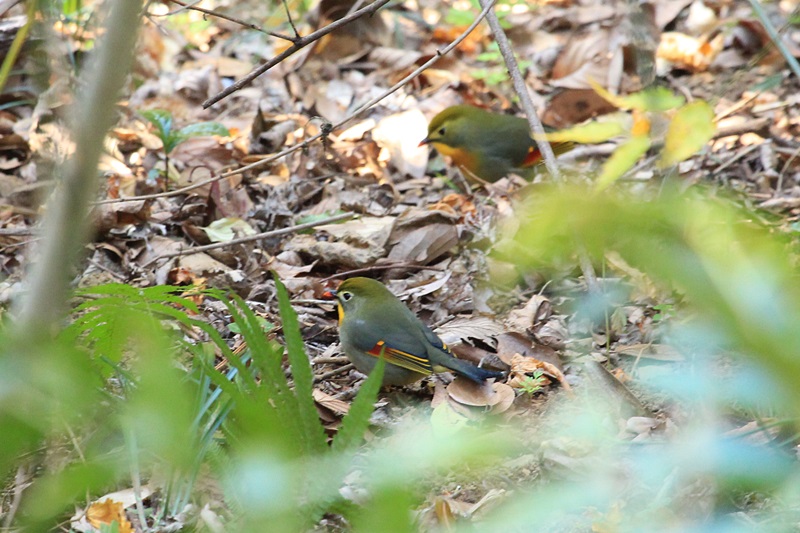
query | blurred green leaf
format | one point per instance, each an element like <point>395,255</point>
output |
<point>624,157</point>
<point>356,422</point>
<point>734,271</point>
<point>592,132</point>
<point>162,120</point>
<point>202,129</point>
<point>653,99</point>
<point>313,435</point>
<point>689,131</point>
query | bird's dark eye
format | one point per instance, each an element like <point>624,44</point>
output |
<point>442,130</point>
<point>346,296</point>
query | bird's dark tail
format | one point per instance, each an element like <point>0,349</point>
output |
<point>476,374</point>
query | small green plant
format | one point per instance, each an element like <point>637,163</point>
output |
<point>663,312</point>
<point>533,384</point>
<point>495,72</point>
<point>170,138</point>
<point>458,16</point>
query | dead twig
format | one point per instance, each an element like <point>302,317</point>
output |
<point>22,480</point>
<point>251,238</point>
<point>305,144</point>
<point>773,33</point>
<point>334,372</point>
<point>745,127</point>
<point>297,44</point>
<point>375,268</point>
<point>212,13</point>
<point>336,360</point>
<point>734,159</point>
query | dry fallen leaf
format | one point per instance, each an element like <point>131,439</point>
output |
<point>506,397</point>
<point>462,328</point>
<point>522,367</point>
<point>467,392</point>
<point>329,402</point>
<point>512,343</point>
<point>537,309</point>
<point>106,512</point>
<point>692,53</point>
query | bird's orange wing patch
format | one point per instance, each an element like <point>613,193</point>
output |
<point>400,358</point>
<point>534,157</point>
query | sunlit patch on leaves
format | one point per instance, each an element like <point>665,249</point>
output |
<point>109,516</point>
<point>227,229</point>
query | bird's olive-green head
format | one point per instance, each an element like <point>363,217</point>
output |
<point>452,126</point>
<point>356,294</point>
<point>486,145</point>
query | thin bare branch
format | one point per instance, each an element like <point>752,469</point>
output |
<point>212,13</point>
<point>776,37</point>
<point>251,238</point>
<point>298,44</point>
<point>439,54</point>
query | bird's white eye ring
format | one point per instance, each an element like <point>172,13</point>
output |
<point>346,296</point>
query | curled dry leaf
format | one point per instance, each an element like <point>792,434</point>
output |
<point>422,235</point>
<point>462,328</point>
<point>511,344</point>
<point>395,59</point>
<point>573,106</point>
<point>692,53</point>
<point>467,392</point>
<point>552,333</point>
<point>506,397</point>
<point>104,512</point>
<point>108,512</point>
<point>327,401</point>
<point>522,367</point>
<point>537,309</point>
<point>119,214</point>
<point>666,12</point>
<point>455,204</point>
<point>470,399</point>
<point>591,57</point>
<point>701,18</point>
<point>358,242</point>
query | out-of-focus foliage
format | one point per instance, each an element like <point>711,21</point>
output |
<point>741,296</point>
<point>691,126</point>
